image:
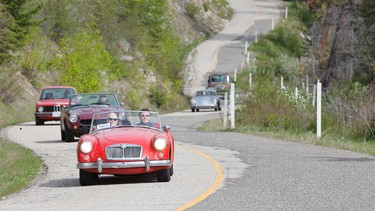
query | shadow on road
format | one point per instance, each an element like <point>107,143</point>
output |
<point>103,180</point>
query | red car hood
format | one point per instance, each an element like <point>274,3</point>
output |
<point>53,102</point>
<point>129,134</point>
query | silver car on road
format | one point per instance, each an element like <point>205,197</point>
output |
<point>205,99</point>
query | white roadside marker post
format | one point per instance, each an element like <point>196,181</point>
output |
<point>232,110</point>
<point>319,110</point>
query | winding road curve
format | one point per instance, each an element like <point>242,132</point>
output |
<point>213,170</point>
<point>225,51</point>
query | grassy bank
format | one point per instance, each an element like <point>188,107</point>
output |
<point>18,166</point>
<point>327,140</point>
<point>288,113</point>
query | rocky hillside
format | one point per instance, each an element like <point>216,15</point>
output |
<point>135,49</point>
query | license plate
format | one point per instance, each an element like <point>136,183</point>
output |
<point>56,114</point>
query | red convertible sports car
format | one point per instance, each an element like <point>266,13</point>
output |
<point>76,117</point>
<point>126,143</point>
<point>50,102</point>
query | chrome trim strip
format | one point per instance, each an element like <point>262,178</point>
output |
<point>147,163</point>
<point>100,165</point>
<point>123,165</point>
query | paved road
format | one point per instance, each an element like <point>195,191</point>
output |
<point>225,51</point>
<point>258,174</point>
<point>278,175</point>
<point>58,187</point>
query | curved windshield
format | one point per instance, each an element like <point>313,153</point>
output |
<point>122,118</point>
<point>94,99</point>
<point>56,93</point>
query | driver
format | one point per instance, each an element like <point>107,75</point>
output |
<point>103,99</point>
<point>112,118</point>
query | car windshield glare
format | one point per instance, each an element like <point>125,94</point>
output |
<point>122,118</point>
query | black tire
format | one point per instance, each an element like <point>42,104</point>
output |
<point>197,110</point>
<point>39,121</point>
<point>192,110</point>
<point>164,175</point>
<point>87,178</point>
<point>215,109</point>
<point>172,171</point>
<point>69,137</point>
<point>62,135</point>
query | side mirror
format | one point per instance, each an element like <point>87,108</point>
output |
<point>167,128</point>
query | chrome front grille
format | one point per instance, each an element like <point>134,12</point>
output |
<point>56,108</point>
<point>123,151</point>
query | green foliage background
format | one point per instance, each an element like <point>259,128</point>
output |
<point>348,109</point>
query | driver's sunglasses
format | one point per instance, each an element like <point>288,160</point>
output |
<point>145,115</point>
<point>112,119</point>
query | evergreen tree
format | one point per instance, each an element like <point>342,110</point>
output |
<point>22,11</point>
<point>6,35</point>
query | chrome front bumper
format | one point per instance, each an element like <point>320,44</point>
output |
<point>100,165</point>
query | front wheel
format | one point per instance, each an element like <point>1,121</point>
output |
<point>87,178</point>
<point>69,137</point>
<point>39,121</point>
<point>164,175</point>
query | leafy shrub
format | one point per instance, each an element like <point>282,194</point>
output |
<point>270,108</point>
<point>301,11</point>
<point>288,40</point>
<point>83,62</point>
<point>158,96</point>
<point>133,101</point>
<point>35,57</point>
<point>191,10</point>
<point>206,6</point>
<point>9,84</point>
<point>350,112</point>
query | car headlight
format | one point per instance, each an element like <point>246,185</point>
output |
<point>160,144</point>
<point>41,109</point>
<point>73,118</point>
<point>192,101</point>
<point>86,147</point>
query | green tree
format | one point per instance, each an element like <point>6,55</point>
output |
<point>22,11</point>
<point>6,35</point>
<point>84,62</point>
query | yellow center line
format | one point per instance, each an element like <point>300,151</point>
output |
<point>219,179</point>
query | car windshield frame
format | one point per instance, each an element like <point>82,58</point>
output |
<point>56,93</point>
<point>207,92</point>
<point>125,118</point>
<point>93,99</point>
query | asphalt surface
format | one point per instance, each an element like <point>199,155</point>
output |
<point>259,174</point>
<point>225,51</point>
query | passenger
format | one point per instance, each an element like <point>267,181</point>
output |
<point>144,118</point>
<point>66,94</point>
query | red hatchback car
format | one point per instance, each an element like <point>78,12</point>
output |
<point>126,143</point>
<point>50,102</point>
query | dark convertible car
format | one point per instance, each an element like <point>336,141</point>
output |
<point>76,117</point>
